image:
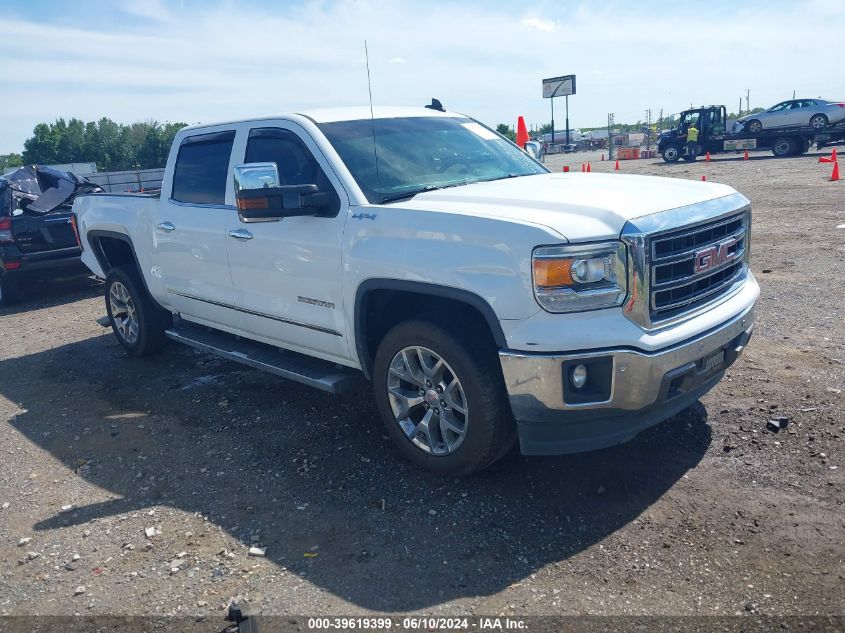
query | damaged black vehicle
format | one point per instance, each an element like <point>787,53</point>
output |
<point>37,238</point>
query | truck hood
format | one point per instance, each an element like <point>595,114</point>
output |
<point>578,206</point>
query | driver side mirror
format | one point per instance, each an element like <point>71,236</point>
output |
<point>261,198</point>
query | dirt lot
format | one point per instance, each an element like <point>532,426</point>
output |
<point>709,513</point>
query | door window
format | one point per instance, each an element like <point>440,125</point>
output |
<point>202,168</point>
<point>296,163</point>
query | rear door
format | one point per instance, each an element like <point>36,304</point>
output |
<point>189,229</point>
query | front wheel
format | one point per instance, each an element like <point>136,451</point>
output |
<point>442,398</point>
<point>137,322</point>
<point>753,126</point>
<point>671,154</point>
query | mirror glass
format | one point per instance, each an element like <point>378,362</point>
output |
<point>256,176</point>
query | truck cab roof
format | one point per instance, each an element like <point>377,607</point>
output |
<point>349,113</point>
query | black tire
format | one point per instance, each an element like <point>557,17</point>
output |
<point>490,430</point>
<point>784,146</point>
<point>8,292</point>
<point>152,321</point>
<point>819,121</point>
<point>753,126</point>
<point>671,153</point>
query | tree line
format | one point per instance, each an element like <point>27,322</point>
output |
<point>112,146</point>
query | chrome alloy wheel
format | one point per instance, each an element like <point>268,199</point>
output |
<point>123,313</point>
<point>427,400</point>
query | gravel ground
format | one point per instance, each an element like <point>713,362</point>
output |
<point>137,487</point>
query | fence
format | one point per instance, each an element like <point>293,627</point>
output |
<point>131,180</point>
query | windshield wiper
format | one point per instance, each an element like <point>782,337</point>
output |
<point>413,192</point>
<point>409,194</point>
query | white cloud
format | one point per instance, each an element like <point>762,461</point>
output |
<point>539,24</point>
<point>229,60</point>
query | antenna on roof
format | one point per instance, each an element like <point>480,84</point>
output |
<point>436,105</point>
<point>372,119</point>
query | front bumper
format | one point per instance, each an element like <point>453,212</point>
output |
<point>642,390</point>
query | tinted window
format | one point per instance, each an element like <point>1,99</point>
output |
<point>297,166</point>
<point>202,168</point>
<point>296,163</point>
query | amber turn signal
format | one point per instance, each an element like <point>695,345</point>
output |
<point>253,203</point>
<point>551,273</point>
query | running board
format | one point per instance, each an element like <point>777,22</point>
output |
<point>310,371</point>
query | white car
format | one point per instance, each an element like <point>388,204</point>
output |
<point>486,298</point>
<point>815,113</point>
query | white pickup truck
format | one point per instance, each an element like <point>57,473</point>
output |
<point>485,298</point>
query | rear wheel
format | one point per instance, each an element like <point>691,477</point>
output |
<point>753,126</point>
<point>784,146</point>
<point>137,322</point>
<point>818,121</point>
<point>442,398</point>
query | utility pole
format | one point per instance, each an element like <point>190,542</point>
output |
<point>739,111</point>
<point>660,122</point>
<point>648,129</point>
<point>748,99</point>
<point>610,136</point>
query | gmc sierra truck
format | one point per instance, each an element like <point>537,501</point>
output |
<point>484,297</point>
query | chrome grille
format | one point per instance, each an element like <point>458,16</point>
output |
<point>695,265</point>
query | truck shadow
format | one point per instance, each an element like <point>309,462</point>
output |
<point>317,480</point>
<point>36,294</point>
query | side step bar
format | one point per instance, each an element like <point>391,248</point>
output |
<point>291,365</point>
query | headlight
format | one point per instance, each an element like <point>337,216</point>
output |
<point>580,277</point>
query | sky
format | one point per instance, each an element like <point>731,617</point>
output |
<point>214,60</point>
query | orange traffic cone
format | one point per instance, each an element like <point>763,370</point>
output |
<point>616,168</point>
<point>745,157</point>
<point>835,174</point>
<point>707,157</point>
<point>566,168</point>
<point>704,179</point>
<point>521,132</point>
<point>828,159</point>
<point>589,169</point>
<point>583,167</point>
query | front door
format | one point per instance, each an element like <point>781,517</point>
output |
<point>190,231</point>
<point>287,273</point>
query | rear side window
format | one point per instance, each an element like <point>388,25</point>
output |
<point>202,167</point>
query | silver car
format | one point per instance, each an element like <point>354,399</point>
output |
<point>817,113</point>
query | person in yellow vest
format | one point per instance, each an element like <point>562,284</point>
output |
<point>692,140</point>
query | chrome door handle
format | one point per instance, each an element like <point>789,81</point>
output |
<point>166,227</point>
<point>240,234</point>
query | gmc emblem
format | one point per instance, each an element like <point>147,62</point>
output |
<point>714,256</point>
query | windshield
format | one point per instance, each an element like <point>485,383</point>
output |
<point>417,154</point>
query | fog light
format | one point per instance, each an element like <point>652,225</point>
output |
<point>579,376</point>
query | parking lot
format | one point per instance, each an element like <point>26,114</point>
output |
<point>708,513</point>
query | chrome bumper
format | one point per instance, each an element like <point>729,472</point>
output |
<point>644,389</point>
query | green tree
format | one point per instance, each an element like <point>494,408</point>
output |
<point>506,130</point>
<point>42,146</point>
<point>8,162</point>
<point>112,146</point>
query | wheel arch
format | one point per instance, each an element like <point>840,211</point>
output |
<point>371,322</point>
<point>113,249</point>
